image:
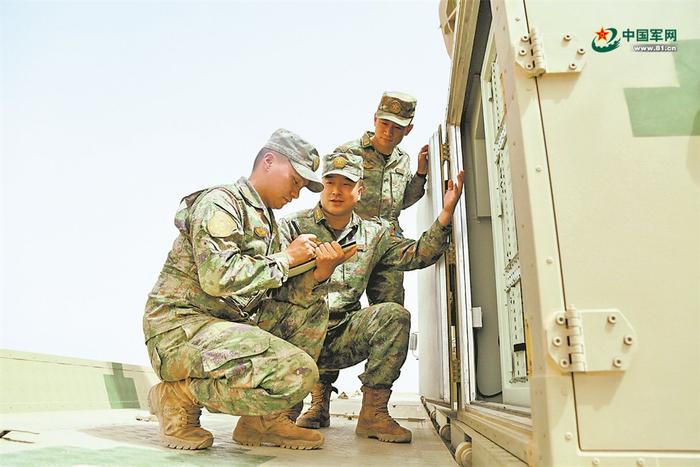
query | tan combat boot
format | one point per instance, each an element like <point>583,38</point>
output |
<point>178,415</point>
<point>276,429</point>
<point>318,415</point>
<point>374,420</point>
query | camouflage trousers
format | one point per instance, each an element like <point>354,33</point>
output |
<point>244,369</point>
<point>385,285</point>
<point>378,334</point>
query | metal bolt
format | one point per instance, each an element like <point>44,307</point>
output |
<point>522,52</point>
<point>568,436</point>
<point>640,461</point>
<point>561,319</point>
<point>567,37</point>
<point>617,362</point>
<point>572,66</point>
<point>564,363</point>
<point>612,319</point>
<point>525,38</point>
<point>581,51</point>
<point>629,340</point>
<point>556,341</point>
<point>596,461</point>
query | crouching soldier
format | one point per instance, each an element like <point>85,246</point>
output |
<point>379,333</point>
<point>219,272</point>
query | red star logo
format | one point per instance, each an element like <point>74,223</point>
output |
<point>602,34</point>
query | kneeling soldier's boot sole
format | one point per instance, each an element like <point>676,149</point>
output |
<point>175,443</point>
<point>385,437</point>
<point>274,440</point>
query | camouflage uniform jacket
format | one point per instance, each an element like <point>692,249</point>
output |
<point>221,272</point>
<point>375,246</point>
<point>390,186</point>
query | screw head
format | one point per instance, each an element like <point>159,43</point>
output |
<point>522,52</point>
<point>640,461</point>
<point>529,66</point>
<point>567,37</point>
<point>572,66</point>
<point>628,340</point>
<point>581,51</point>
<point>525,38</point>
<point>568,436</point>
<point>549,260</point>
<point>564,363</point>
<point>617,362</point>
<point>561,319</point>
<point>612,319</point>
<point>556,341</point>
<point>596,461</point>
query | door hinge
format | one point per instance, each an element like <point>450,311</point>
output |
<point>445,151</point>
<point>564,53</point>
<point>591,340</point>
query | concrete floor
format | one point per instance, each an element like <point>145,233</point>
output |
<point>128,437</point>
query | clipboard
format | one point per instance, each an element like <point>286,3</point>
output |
<point>311,264</point>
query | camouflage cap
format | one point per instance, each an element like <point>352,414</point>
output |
<point>301,154</point>
<point>397,107</point>
<point>345,164</point>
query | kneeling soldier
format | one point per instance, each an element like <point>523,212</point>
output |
<point>379,333</point>
<point>219,272</point>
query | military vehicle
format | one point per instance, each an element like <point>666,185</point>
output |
<point>563,327</point>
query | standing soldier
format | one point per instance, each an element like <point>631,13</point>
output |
<point>390,186</point>
<point>378,333</point>
<point>219,272</point>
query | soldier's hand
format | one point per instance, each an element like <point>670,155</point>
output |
<point>423,162</point>
<point>302,249</point>
<point>328,257</point>
<point>452,194</point>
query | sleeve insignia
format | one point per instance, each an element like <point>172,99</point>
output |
<point>220,224</point>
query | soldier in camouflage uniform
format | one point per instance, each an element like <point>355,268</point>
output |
<point>390,186</point>
<point>216,284</point>
<point>378,333</point>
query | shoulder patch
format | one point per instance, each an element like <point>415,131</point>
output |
<point>220,224</point>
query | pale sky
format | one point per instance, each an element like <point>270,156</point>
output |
<point>111,112</point>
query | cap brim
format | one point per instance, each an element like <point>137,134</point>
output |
<point>354,178</point>
<point>315,183</point>
<point>404,122</point>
